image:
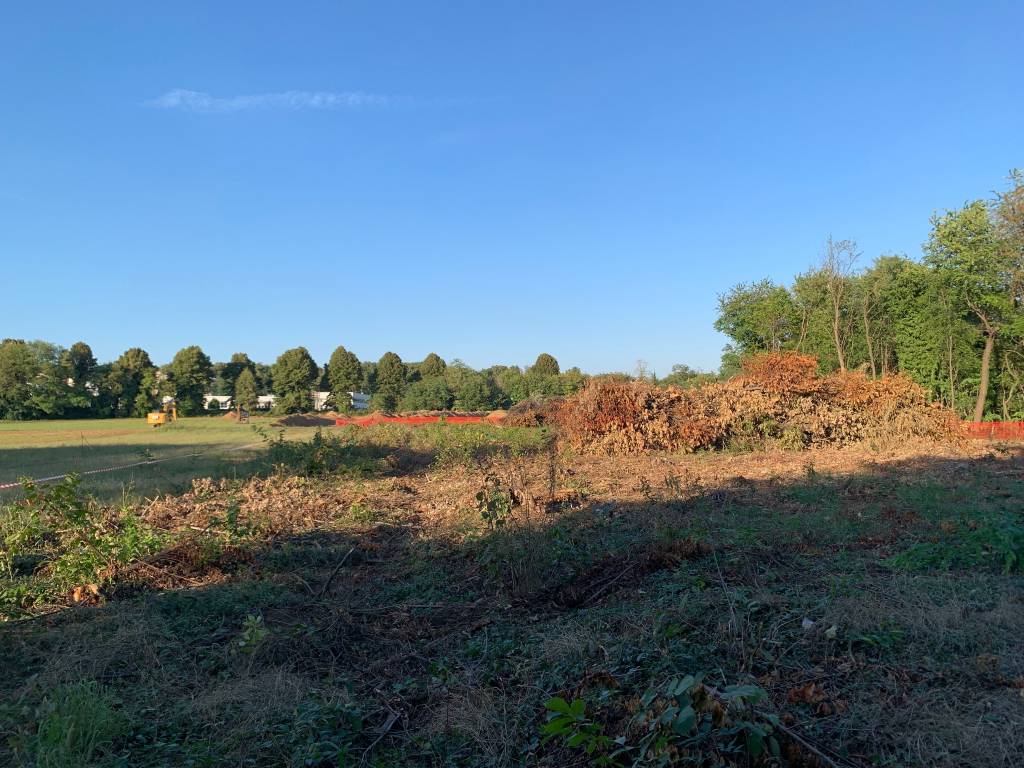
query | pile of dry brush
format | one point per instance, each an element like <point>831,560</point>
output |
<point>778,398</point>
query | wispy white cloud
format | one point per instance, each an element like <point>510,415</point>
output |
<point>197,101</point>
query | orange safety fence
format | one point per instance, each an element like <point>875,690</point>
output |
<point>995,430</point>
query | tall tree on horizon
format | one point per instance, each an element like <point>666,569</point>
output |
<point>344,373</point>
<point>545,365</point>
<point>389,381</point>
<point>964,250</point>
<point>294,374</point>
<point>190,374</point>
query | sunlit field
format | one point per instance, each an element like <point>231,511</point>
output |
<point>200,446</point>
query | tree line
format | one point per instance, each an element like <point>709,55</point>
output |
<point>952,319</point>
<point>40,380</point>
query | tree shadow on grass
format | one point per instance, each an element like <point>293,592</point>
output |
<point>872,608</point>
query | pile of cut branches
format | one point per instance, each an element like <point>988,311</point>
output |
<point>778,398</point>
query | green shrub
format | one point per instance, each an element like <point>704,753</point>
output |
<point>66,538</point>
<point>320,455</point>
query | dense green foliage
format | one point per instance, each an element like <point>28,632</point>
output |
<point>39,380</point>
<point>545,365</point>
<point>190,373</point>
<point>344,373</point>
<point>390,381</point>
<point>428,394</point>
<point>294,374</point>
<point>132,384</point>
<point>245,390</point>
<point>432,365</point>
<point>953,321</point>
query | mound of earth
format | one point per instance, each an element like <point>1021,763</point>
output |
<point>305,420</point>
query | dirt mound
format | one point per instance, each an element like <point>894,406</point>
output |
<point>230,415</point>
<point>305,420</point>
<point>778,398</point>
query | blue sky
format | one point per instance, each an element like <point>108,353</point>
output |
<point>484,180</point>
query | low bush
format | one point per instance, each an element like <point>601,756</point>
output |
<point>57,540</point>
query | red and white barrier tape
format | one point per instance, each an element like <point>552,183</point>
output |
<point>5,486</point>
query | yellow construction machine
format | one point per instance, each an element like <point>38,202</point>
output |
<point>168,412</point>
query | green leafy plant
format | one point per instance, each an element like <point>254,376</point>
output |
<point>84,542</point>
<point>568,722</point>
<point>320,455</point>
<point>679,722</point>
<point>252,635</point>
<point>494,502</point>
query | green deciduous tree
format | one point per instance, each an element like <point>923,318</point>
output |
<point>389,381</point>
<point>131,384</point>
<point>245,390</point>
<point>512,383</point>
<point>545,365</point>
<point>965,251</point>
<point>427,394</point>
<point>294,373</point>
<point>759,317</point>
<point>233,369</point>
<point>19,367</point>
<point>190,372</point>
<point>572,381</point>
<point>683,376</point>
<point>432,365</point>
<point>476,392</point>
<point>344,374</point>
<point>79,372</point>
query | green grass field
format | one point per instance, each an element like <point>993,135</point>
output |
<point>37,449</point>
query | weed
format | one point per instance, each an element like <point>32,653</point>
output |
<point>679,722</point>
<point>320,455</point>
<point>68,537</point>
<point>361,513</point>
<point>494,503</point>
<point>252,635</point>
<point>77,723</point>
<point>884,639</point>
<point>568,722</point>
<point>986,537</point>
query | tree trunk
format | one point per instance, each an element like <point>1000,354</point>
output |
<point>867,340</point>
<point>803,330</point>
<point>986,361</point>
<point>836,336</point>
<point>952,383</point>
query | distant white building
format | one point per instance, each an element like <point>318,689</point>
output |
<point>358,400</point>
<point>223,401</point>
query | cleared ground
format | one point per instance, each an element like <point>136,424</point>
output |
<point>472,597</point>
<point>37,449</point>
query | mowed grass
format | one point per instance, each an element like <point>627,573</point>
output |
<point>200,446</point>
